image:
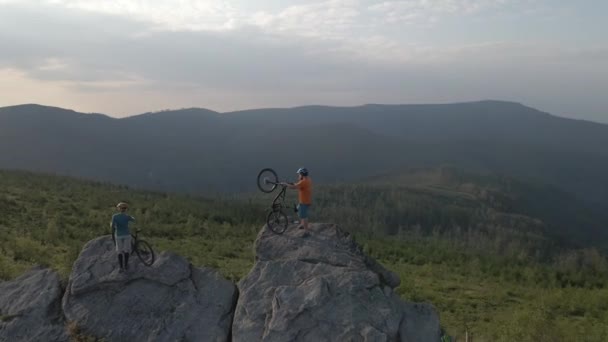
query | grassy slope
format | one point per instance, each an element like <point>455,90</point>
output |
<point>46,220</point>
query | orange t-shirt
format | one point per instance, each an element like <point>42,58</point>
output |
<point>305,191</point>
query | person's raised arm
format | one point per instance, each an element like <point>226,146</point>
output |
<point>292,186</point>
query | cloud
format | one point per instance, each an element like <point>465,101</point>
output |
<point>352,28</point>
<point>327,19</point>
<point>441,6</point>
<point>429,12</point>
<point>312,18</point>
<point>210,15</point>
<point>324,19</point>
<point>106,56</point>
<point>82,48</point>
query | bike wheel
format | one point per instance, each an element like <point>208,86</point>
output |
<point>277,221</point>
<point>144,252</point>
<point>267,180</point>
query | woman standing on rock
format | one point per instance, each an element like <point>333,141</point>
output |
<point>120,229</point>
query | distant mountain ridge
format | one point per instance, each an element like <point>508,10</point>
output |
<point>201,151</point>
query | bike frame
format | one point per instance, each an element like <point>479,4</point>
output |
<point>279,199</point>
<point>276,220</point>
<point>277,203</point>
<point>134,236</point>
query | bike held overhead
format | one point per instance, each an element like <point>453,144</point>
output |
<point>276,220</point>
<point>120,230</point>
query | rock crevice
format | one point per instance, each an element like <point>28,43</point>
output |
<point>322,287</point>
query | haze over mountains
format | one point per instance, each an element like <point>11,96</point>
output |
<point>202,151</point>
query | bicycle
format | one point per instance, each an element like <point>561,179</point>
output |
<point>276,220</point>
<point>142,248</point>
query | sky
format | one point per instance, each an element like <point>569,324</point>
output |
<point>123,57</point>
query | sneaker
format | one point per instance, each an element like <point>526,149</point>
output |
<point>121,270</point>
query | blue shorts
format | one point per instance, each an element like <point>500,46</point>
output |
<point>303,210</point>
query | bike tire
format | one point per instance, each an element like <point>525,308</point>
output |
<point>144,252</point>
<point>267,175</point>
<point>277,221</point>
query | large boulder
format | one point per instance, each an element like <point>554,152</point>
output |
<point>169,301</point>
<point>30,308</point>
<point>322,287</point>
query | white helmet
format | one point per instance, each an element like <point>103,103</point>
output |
<point>303,171</point>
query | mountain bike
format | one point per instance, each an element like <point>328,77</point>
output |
<point>276,220</point>
<point>144,252</point>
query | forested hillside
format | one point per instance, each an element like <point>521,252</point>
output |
<point>489,282</point>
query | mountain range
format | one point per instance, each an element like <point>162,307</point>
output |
<point>201,151</point>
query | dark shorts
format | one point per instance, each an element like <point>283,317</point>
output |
<point>303,210</point>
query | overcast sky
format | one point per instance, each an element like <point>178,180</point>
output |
<point>126,57</point>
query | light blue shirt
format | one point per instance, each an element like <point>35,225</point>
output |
<point>121,221</point>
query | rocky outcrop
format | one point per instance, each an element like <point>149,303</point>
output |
<point>30,308</point>
<point>169,301</point>
<point>322,287</point>
<point>317,287</point>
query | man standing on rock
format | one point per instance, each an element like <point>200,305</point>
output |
<point>120,230</point>
<point>304,186</point>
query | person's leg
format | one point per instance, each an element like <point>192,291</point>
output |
<point>300,225</point>
<point>120,261</point>
<point>119,252</point>
<point>127,250</point>
<point>304,216</point>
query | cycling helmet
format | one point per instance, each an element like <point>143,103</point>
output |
<point>303,171</point>
<point>122,205</point>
